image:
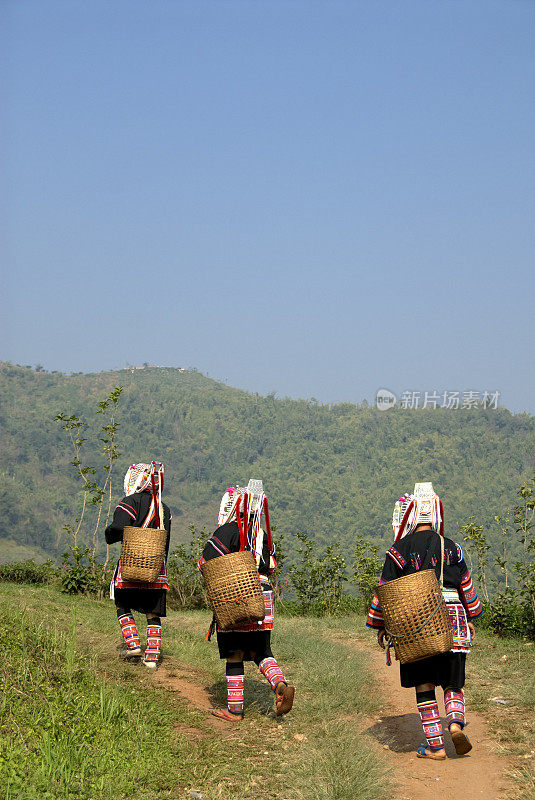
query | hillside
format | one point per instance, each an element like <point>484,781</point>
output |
<point>330,470</point>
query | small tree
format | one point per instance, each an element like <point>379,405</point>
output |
<point>186,588</point>
<point>473,534</point>
<point>366,569</point>
<point>501,562</point>
<point>318,581</point>
<point>525,569</point>
<point>279,582</point>
<point>81,572</point>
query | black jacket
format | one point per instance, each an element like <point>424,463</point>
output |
<point>133,510</point>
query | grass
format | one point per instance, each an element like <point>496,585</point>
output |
<point>504,669</point>
<point>65,731</point>
<point>76,721</point>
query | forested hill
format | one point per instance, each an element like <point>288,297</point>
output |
<point>329,470</point>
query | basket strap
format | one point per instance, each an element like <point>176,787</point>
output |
<point>160,506</point>
<point>154,497</point>
<point>157,498</point>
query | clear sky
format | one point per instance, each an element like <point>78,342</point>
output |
<point>314,198</point>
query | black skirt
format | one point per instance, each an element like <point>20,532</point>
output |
<point>256,645</point>
<point>147,601</point>
<point>446,670</point>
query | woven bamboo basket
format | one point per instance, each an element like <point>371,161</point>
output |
<point>416,617</point>
<point>142,553</point>
<point>233,589</point>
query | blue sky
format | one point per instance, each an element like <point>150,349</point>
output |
<point>314,198</point>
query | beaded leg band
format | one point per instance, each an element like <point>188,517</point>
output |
<point>272,672</point>
<point>130,635</point>
<point>154,645</point>
<point>428,708</point>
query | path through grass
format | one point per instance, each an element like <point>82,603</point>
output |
<point>85,724</point>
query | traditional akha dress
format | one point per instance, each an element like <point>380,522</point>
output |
<point>148,598</point>
<point>242,509</point>
<point>404,558</point>
<point>253,640</point>
<point>447,669</point>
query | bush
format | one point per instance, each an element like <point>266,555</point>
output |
<point>505,616</point>
<point>186,587</point>
<point>366,570</point>
<point>28,572</point>
<point>81,573</point>
<point>347,604</point>
<point>317,581</point>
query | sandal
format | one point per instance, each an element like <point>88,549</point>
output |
<point>224,713</point>
<point>285,698</point>
<point>422,752</point>
<point>461,742</point>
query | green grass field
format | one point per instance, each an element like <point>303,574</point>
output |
<point>77,721</point>
<point>502,687</point>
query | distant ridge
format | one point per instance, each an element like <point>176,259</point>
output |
<point>330,470</point>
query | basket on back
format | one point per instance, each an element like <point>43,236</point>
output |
<point>415,614</point>
<point>233,589</point>
<point>142,553</point>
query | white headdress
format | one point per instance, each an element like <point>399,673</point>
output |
<point>227,507</point>
<point>139,477</point>
<point>147,476</point>
<point>424,506</point>
<point>246,506</point>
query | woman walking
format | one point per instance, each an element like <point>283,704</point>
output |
<point>143,484</point>
<point>239,520</point>
<point>418,524</point>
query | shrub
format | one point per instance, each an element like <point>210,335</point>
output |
<point>506,616</point>
<point>28,572</point>
<point>318,580</point>
<point>81,574</point>
<point>186,588</point>
<point>366,570</point>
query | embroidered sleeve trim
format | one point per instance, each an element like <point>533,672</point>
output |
<point>472,601</point>
<point>396,557</point>
<point>127,510</point>
<point>220,543</point>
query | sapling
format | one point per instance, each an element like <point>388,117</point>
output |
<point>76,578</point>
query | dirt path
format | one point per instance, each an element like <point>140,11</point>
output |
<point>191,683</point>
<point>477,775</point>
<point>481,774</point>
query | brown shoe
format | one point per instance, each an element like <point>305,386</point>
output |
<point>284,698</point>
<point>461,742</point>
<point>224,713</point>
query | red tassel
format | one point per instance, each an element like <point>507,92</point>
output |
<point>268,527</point>
<point>242,523</point>
<point>404,521</point>
<point>155,498</point>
